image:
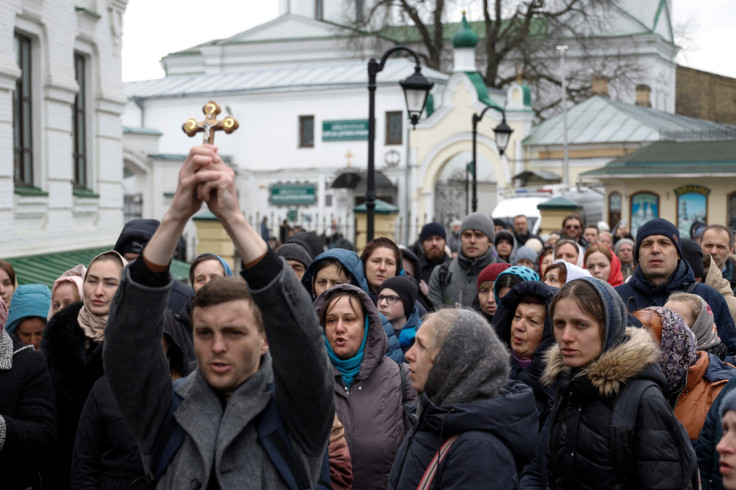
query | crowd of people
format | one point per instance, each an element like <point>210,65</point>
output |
<point>486,357</point>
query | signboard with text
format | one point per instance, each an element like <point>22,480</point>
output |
<point>347,130</point>
<point>291,194</point>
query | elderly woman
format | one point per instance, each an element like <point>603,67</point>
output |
<point>72,342</point>
<point>693,379</point>
<point>370,389</point>
<point>474,428</point>
<point>698,315</point>
<point>601,368</point>
<point>569,251</point>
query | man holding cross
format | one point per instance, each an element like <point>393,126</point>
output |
<point>255,345</point>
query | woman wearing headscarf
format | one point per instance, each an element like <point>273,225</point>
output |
<point>693,379</point>
<point>204,268</point>
<point>370,389</point>
<point>510,277</point>
<point>698,315</point>
<point>602,368</point>
<point>570,251</point>
<point>27,411</point>
<point>72,342</point>
<point>474,428</point>
<point>560,273</point>
<point>27,316</point>
<point>67,289</point>
<point>603,264</point>
<point>485,301</point>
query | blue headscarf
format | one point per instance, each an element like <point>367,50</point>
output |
<point>525,273</point>
<point>348,368</point>
<point>29,300</point>
<point>225,266</point>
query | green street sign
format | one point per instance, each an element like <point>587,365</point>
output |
<point>287,194</point>
<point>348,130</point>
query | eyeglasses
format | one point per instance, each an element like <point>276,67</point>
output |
<point>572,227</point>
<point>390,300</point>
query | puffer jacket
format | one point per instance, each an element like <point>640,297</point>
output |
<point>715,279</point>
<point>496,436</point>
<point>458,286</point>
<point>705,448</point>
<point>705,380</point>
<point>579,453</point>
<point>27,414</point>
<point>638,293</point>
<point>371,410</point>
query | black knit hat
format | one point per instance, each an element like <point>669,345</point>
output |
<point>407,290</point>
<point>311,242</point>
<point>657,226</point>
<point>693,255</point>
<point>294,251</point>
<point>432,229</point>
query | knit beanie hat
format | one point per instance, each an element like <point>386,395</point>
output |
<point>500,222</point>
<point>471,364</point>
<point>657,226</point>
<point>432,229</point>
<point>693,255</point>
<point>622,241</point>
<point>525,253</point>
<point>491,272</point>
<point>309,240</point>
<point>294,251</point>
<point>728,402</point>
<point>479,221</point>
<point>29,300</point>
<point>407,290</point>
<point>504,235</point>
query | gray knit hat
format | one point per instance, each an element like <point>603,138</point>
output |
<point>728,403</point>
<point>472,364</point>
<point>526,253</point>
<point>294,251</point>
<point>479,221</point>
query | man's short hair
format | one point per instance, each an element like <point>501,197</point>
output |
<point>223,290</point>
<point>572,216</point>
<point>720,228</point>
<point>520,216</point>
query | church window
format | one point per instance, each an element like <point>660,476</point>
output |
<point>22,113</point>
<point>306,131</point>
<point>394,128</point>
<point>614,209</point>
<point>732,210</point>
<point>79,123</point>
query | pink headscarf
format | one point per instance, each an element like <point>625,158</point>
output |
<point>75,276</point>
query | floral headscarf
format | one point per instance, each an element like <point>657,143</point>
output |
<point>677,345</point>
<point>704,327</point>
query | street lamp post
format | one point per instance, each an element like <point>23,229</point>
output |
<point>503,133</point>
<point>416,89</point>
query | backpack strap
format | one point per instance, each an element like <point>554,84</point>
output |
<point>691,287</point>
<point>404,389</point>
<point>169,438</point>
<point>623,425</point>
<point>431,471</point>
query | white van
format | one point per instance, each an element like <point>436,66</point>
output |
<point>527,205</point>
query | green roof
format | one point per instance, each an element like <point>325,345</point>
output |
<point>673,157</point>
<point>480,87</point>
<point>382,207</point>
<point>46,268</point>
<point>559,202</point>
<point>465,37</point>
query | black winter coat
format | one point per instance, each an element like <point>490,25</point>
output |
<point>27,419</point>
<point>75,363</point>
<point>579,450</point>
<point>496,438</point>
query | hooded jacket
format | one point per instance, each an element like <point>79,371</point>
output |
<point>511,259</point>
<point>455,284</point>
<point>705,448</point>
<point>27,414</point>
<point>639,293</point>
<point>371,410</point>
<point>579,453</point>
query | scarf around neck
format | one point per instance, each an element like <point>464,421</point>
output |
<point>348,368</point>
<point>93,325</point>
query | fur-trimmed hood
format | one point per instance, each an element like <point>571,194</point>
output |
<point>614,367</point>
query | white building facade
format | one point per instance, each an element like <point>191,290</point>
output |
<point>61,98</point>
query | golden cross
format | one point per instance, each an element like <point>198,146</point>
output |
<point>208,127</point>
<point>349,155</point>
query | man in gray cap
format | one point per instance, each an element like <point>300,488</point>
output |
<point>454,284</point>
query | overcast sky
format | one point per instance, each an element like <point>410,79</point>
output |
<point>154,28</point>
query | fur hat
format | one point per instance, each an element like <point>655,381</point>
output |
<point>407,290</point>
<point>294,251</point>
<point>481,222</point>
<point>432,229</point>
<point>657,226</point>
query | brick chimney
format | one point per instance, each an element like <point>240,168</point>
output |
<point>643,95</point>
<point>599,85</point>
